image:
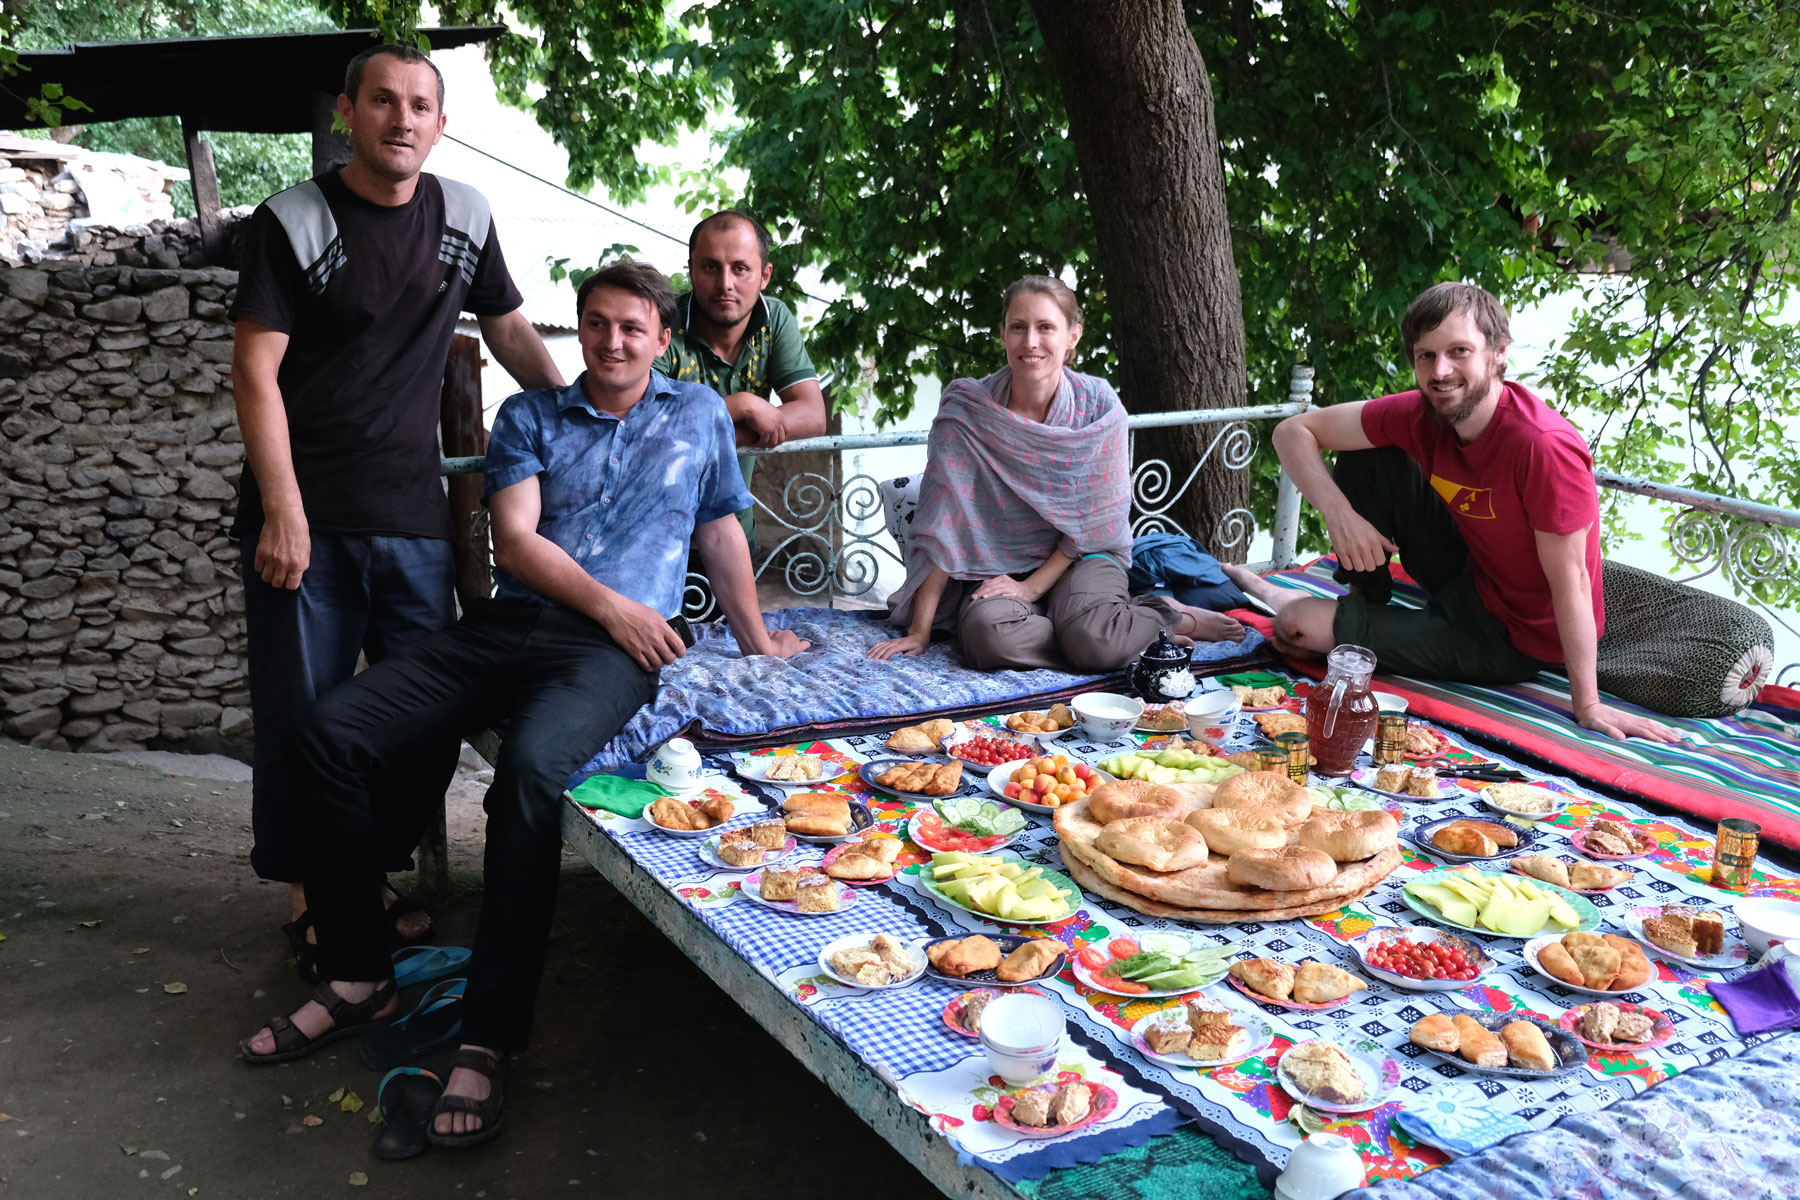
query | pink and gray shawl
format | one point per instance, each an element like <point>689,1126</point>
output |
<point>1000,492</point>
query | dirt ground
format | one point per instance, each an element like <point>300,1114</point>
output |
<point>119,882</point>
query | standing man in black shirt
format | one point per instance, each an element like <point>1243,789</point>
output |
<point>349,292</point>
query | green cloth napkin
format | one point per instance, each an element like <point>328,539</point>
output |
<point>627,797</point>
<point>1255,679</point>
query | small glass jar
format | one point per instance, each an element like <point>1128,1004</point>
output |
<point>1390,739</point>
<point>1734,854</point>
<point>1298,755</point>
<point>1272,758</point>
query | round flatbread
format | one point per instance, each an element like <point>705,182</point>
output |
<point>1214,916</point>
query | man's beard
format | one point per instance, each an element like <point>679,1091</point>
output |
<point>1474,392</point>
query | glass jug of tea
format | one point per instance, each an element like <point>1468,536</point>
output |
<point>1341,710</point>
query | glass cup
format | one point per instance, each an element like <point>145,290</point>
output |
<point>1272,758</point>
<point>1390,739</point>
<point>1298,754</point>
<point>1734,854</point>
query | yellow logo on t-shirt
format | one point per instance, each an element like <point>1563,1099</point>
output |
<point>1474,503</point>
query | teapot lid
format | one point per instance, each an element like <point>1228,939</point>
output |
<point>1165,651</point>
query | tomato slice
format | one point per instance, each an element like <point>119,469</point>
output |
<point>1126,985</point>
<point>1123,948</point>
<point>1092,958</point>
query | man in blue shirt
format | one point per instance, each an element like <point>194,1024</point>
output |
<point>595,490</point>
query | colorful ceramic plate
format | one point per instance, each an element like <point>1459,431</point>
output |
<point>953,1010</point>
<point>930,886</point>
<point>1105,1100</point>
<point>967,783</point>
<point>1382,934</point>
<point>1094,981</point>
<point>863,939</point>
<point>1008,942</point>
<point>1662,1030</point>
<point>1445,745</point>
<point>1584,908</point>
<point>1260,1036</point>
<point>1364,777</point>
<point>928,832</point>
<point>751,889</point>
<point>1579,840</point>
<point>1536,946</point>
<point>1420,835</point>
<point>1378,1070</point>
<point>1558,801</point>
<point>709,854</point>
<point>1570,1056</point>
<point>1300,1005</point>
<point>1735,952</point>
<point>1028,742</point>
<point>837,852</point>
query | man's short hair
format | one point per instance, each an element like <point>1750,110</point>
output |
<point>1435,304</point>
<point>353,74</point>
<point>726,216</point>
<point>640,279</point>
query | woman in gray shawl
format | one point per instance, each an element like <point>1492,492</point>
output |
<point>1023,531</point>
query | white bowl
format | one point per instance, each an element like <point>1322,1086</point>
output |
<point>1767,921</point>
<point>1324,1166</point>
<point>1388,702</point>
<point>1105,716</point>
<point>1213,710</point>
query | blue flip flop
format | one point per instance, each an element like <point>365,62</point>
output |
<point>434,1022</point>
<point>407,1097</point>
<point>426,964</point>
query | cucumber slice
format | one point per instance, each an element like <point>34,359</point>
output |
<point>1168,943</point>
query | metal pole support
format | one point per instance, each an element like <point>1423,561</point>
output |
<point>1286,532</point>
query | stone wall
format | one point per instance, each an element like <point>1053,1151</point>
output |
<point>121,618</point>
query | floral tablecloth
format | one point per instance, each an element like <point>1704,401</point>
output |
<point>902,1032</point>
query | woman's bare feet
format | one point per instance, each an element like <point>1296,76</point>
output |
<point>1271,596</point>
<point>464,1082</point>
<point>1204,625</point>
<point>312,1020</point>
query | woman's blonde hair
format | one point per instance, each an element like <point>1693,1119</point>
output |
<point>1045,285</point>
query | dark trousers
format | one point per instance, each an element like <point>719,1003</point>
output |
<point>359,595</point>
<point>560,689</point>
<point>1454,636</point>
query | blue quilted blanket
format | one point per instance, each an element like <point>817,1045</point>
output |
<point>1731,1128</point>
<point>720,698</point>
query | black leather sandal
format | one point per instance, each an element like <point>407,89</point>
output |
<point>306,954</point>
<point>349,1018</point>
<point>491,1111</point>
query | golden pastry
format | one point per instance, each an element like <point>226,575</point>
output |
<point>1265,976</point>
<point>1527,1047</point>
<point>1318,983</point>
<point>1030,960</point>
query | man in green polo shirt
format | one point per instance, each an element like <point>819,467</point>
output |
<point>744,345</point>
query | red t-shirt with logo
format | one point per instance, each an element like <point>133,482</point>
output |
<point>1528,471</point>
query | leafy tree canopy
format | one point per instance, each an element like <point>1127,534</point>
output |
<point>251,166</point>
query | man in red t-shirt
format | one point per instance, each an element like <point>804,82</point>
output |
<point>1488,497</point>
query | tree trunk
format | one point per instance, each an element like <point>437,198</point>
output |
<point>1141,116</point>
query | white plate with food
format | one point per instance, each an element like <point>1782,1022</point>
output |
<point>709,854</point>
<point>948,826</point>
<point>1163,718</point>
<point>1052,722</point>
<point>1367,777</point>
<point>1527,801</point>
<point>1733,951</point>
<point>1335,1077</point>
<point>846,897</point>
<point>984,750</point>
<point>1153,967</point>
<point>963,959</point>
<point>864,869</point>
<point>757,769</point>
<point>1090,777</point>
<point>1564,1047</point>
<point>1257,1035</point>
<point>1420,958</point>
<point>917,779</point>
<point>1640,841</point>
<point>714,810</point>
<point>857,959</point>
<point>1533,952</point>
<point>926,739</point>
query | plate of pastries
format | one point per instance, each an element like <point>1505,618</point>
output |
<point>862,863</point>
<point>788,770</point>
<point>1261,699</point>
<point>1313,985</point>
<point>1500,1043</point>
<point>927,737</point>
<point>690,818</point>
<point>963,1014</point>
<point>1202,1032</point>
<point>907,777</point>
<point>762,843</point>
<point>883,961</point>
<point>1596,964</point>
<point>1424,743</point>
<point>1618,1025</point>
<point>1461,839</point>
<point>824,817</point>
<point>1687,934</point>
<point>1163,718</point>
<point>1613,840</point>
<point>1406,781</point>
<point>1532,801</point>
<point>798,891</point>
<point>1338,1079</point>
<point>1051,1110</point>
<point>995,959</point>
<point>1045,724</point>
<point>1590,879</point>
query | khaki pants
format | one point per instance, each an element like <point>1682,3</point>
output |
<point>1088,622</point>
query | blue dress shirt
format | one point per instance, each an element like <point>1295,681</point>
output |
<point>621,495</point>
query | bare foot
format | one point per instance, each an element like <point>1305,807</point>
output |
<point>1272,596</point>
<point>312,1019</point>
<point>1203,625</point>
<point>464,1082</point>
